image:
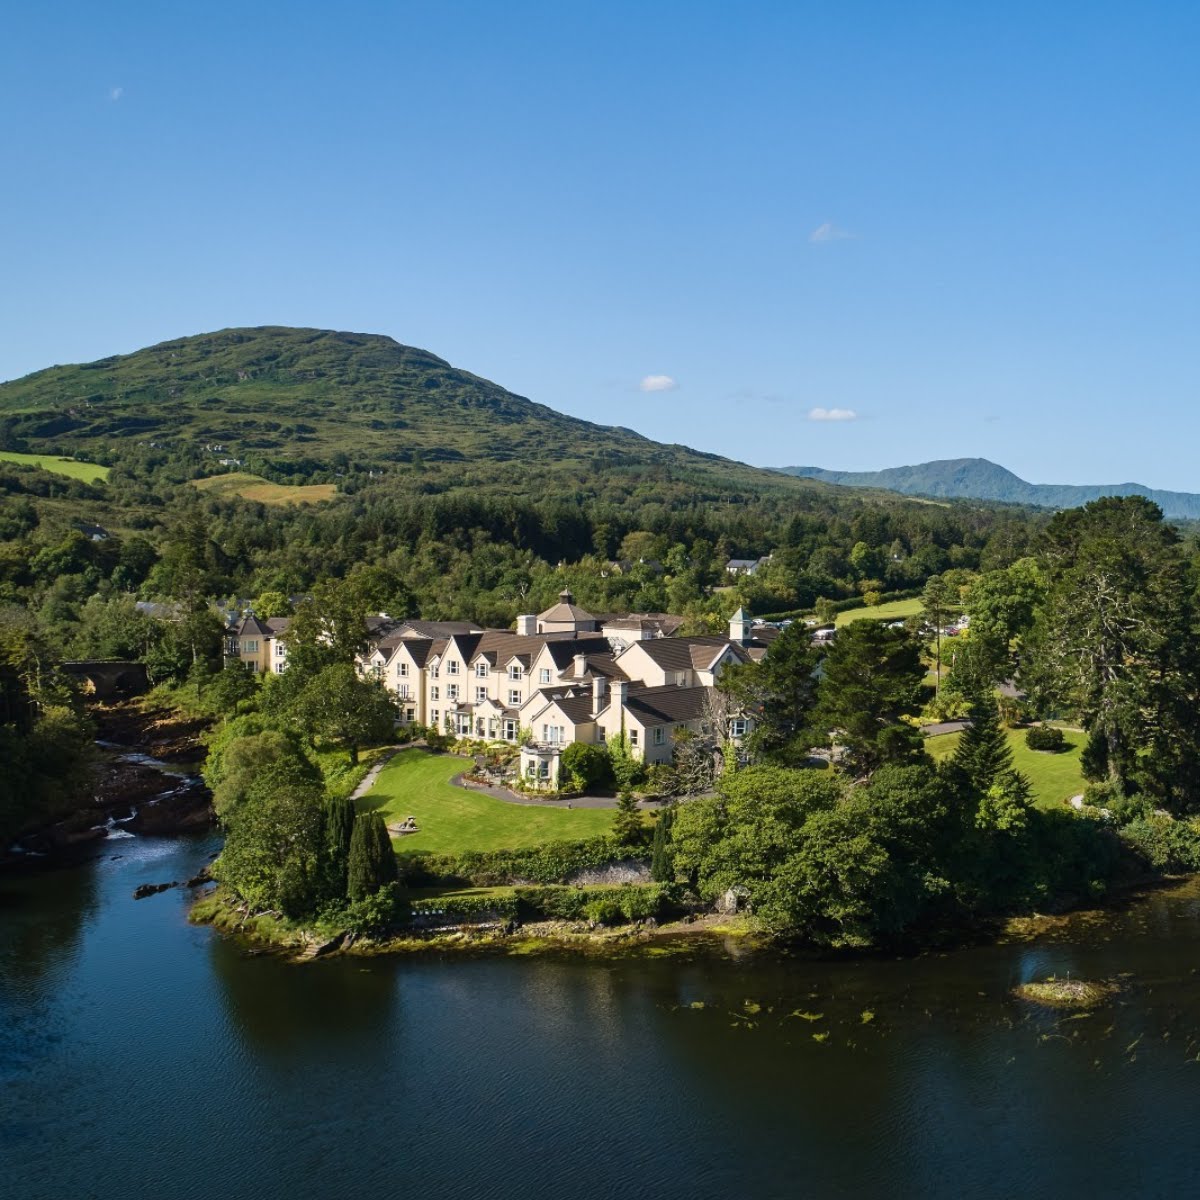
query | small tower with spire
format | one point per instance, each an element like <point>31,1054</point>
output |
<point>739,627</point>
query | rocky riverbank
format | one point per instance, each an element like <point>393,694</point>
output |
<point>267,933</point>
<point>145,782</point>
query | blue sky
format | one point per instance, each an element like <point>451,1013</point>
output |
<point>975,228</point>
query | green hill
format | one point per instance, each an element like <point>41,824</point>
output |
<point>297,403</point>
<point>979,479</point>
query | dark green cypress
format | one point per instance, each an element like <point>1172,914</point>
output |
<point>372,860</point>
<point>385,862</point>
<point>339,828</point>
<point>662,861</point>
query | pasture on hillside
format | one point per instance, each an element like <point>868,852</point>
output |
<point>892,610</point>
<point>254,487</point>
<point>70,467</point>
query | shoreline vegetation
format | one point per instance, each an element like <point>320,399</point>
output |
<point>736,935</point>
<point>271,933</point>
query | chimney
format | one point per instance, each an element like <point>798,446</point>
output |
<point>526,624</point>
<point>599,694</point>
<point>620,692</point>
<point>580,665</point>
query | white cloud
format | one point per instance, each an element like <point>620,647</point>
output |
<point>829,232</point>
<point>658,383</point>
<point>832,414</point>
<point>114,94</point>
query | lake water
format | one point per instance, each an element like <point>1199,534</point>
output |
<point>142,1057</point>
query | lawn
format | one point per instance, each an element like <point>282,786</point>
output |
<point>452,819</point>
<point>254,487</point>
<point>893,610</point>
<point>88,472</point>
<point>1055,777</point>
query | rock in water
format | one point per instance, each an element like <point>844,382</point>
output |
<point>152,889</point>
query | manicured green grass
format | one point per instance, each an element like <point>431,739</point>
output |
<point>1054,777</point>
<point>452,819</point>
<point>893,610</point>
<point>88,472</point>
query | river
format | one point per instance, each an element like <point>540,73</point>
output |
<point>143,1057</point>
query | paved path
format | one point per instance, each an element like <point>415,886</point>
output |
<point>500,793</point>
<point>944,727</point>
<point>373,774</point>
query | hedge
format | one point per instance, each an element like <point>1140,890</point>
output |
<point>606,906</point>
<point>549,863</point>
<point>1045,737</point>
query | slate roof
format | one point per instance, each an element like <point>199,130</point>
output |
<point>575,703</point>
<point>687,653</point>
<point>566,610</point>
<point>438,629</point>
<point>660,624</point>
<point>667,705</point>
<point>251,626</point>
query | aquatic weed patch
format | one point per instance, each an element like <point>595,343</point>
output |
<point>1066,993</point>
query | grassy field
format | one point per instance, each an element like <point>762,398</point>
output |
<point>893,610</point>
<point>453,819</point>
<point>254,487</point>
<point>1055,777</point>
<point>88,472</point>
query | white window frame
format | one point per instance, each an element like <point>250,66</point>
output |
<point>452,691</point>
<point>402,670</point>
<point>452,667</point>
<point>514,697</point>
<point>481,670</point>
<point>435,692</point>
<point>515,673</point>
<point>543,675</point>
<point>660,735</point>
<point>633,737</point>
<point>480,695</point>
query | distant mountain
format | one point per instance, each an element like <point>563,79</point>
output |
<point>305,401</point>
<point>979,479</point>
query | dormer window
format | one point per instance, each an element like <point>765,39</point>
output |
<point>433,671</point>
<point>481,670</point>
<point>514,672</point>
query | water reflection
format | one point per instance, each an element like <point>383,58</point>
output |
<point>42,916</point>
<point>280,1009</point>
<point>146,1057</point>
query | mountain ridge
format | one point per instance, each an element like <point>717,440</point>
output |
<point>298,401</point>
<point>982,479</point>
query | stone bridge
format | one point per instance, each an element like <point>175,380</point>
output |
<point>109,680</point>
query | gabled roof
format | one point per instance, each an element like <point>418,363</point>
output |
<point>563,652</point>
<point>437,629</point>
<point>667,705</point>
<point>684,653</point>
<point>661,624</point>
<point>574,703</point>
